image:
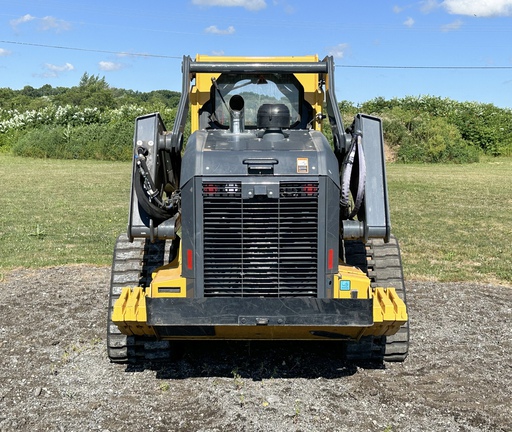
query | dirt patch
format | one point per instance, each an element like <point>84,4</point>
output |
<point>55,375</point>
<point>390,153</point>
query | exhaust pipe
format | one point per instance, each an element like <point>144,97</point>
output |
<point>236,110</point>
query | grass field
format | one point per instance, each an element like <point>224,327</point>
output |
<point>60,212</point>
<point>453,221</point>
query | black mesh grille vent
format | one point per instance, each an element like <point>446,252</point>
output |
<point>261,246</point>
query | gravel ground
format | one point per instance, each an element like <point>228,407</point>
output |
<point>55,375</point>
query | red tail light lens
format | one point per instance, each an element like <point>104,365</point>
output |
<point>210,189</point>
<point>310,189</point>
<point>190,262</point>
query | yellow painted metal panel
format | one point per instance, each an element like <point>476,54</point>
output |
<point>129,312</point>
<point>389,312</point>
<point>167,282</point>
<point>355,279</point>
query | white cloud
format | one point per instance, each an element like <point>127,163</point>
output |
<point>52,23</point>
<point>397,9</point>
<point>455,25</point>
<point>45,24</point>
<point>339,50</point>
<point>252,5</point>
<point>24,19</point>
<point>64,68</point>
<point>53,71</point>
<point>110,66</point>
<point>215,30</point>
<point>4,52</point>
<point>479,8</point>
<point>218,53</point>
<point>409,22</point>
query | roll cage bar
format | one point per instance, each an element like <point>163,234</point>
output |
<point>324,68</point>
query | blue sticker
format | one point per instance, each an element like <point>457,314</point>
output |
<point>344,285</point>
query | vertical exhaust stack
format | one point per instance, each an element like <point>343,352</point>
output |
<point>236,110</point>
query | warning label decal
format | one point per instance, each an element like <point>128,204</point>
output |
<point>302,166</point>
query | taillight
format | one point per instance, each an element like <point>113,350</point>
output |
<point>190,262</point>
<point>210,189</point>
<point>310,189</point>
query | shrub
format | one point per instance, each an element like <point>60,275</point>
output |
<point>44,142</point>
<point>96,141</point>
<point>7,140</point>
<point>116,142</point>
<point>485,126</point>
<point>435,140</point>
<point>417,129</point>
<point>425,138</point>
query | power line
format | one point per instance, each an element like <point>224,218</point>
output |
<point>421,67</point>
<point>91,50</point>
<point>179,58</point>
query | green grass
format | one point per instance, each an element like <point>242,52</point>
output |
<point>453,221</point>
<point>60,212</point>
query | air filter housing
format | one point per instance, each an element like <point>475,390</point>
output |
<point>273,116</point>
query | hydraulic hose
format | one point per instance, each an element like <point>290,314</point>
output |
<point>355,156</point>
<point>361,181</point>
<point>148,195</point>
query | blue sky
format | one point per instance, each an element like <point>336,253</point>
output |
<point>139,45</point>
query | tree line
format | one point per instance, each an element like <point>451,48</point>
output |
<point>95,121</point>
<point>92,92</point>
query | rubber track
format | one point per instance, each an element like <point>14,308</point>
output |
<point>132,265</point>
<point>383,264</point>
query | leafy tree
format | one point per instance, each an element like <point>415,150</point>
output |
<point>379,105</point>
<point>91,92</point>
<point>6,94</point>
<point>30,92</point>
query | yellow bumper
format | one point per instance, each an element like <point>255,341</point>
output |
<point>387,310</point>
<point>130,313</point>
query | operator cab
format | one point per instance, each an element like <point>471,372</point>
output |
<point>265,97</point>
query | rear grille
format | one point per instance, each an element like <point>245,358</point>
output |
<point>260,246</point>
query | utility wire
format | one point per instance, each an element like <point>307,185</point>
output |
<point>421,67</point>
<point>179,58</point>
<point>91,50</point>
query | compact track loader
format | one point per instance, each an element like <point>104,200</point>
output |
<point>258,228</point>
